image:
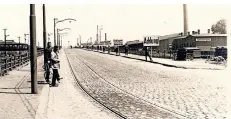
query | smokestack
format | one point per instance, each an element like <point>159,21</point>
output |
<point>105,36</point>
<point>208,31</point>
<point>185,19</point>
<point>198,31</point>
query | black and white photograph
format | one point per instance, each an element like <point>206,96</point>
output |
<point>102,60</point>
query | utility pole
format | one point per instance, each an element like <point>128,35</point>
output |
<point>77,42</point>
<point>28,43</point>
<point>54,32</point>
<point>19,48</point>
<point>5,41</point>
<point>57,38</point>
<point>100,35</point>
<point>80,40</point>
<point>105,36</point>
<point>5,47</point>
<point>25,37</point>
<point>33,50</point>
<point>185,13</point>
<point>44,32</point>
<point>61,43</point>
<point>97,35</point>
<point>105,39</point>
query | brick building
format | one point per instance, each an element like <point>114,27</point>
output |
<point>203,42</point>
<point>166,42</point>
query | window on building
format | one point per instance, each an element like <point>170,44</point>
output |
<point>194,44</point>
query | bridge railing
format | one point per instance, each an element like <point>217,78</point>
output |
<point>10,62</point>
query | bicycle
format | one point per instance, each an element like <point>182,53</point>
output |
<point>219,60</point>
<point>46,68</point>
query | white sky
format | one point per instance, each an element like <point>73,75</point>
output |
<point>127,21</point>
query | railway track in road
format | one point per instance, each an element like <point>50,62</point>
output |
<point>156,108</point>
<point>84,90</point>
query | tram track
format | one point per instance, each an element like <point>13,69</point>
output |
<point>118,114</point>
<point>178,115</point>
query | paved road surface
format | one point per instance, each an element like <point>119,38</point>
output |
<point>143,90</point>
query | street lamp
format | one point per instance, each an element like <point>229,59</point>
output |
<point>5,46</point>
<point>5,41</point>
<point>56,22</point>
<point>58,36</point>
<point>19,47</point>
<point>44,33</point>
<point>25,37</point>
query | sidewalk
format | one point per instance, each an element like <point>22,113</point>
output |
<point>68,101</point>
<point>194,64</point>
<point>16,100</point>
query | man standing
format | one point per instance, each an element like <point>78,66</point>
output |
<point>126,50</point>
<point>47,55</point>
<point>109,49</point>
<point>55,65</point>
<point>147,54</point>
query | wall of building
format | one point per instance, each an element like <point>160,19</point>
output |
<point>204,46</point>
<point>215,41</point>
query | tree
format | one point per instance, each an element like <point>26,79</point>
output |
<point>219,27</point>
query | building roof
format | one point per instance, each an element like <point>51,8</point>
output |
<point>201,35</point>
<point>180,37</point>
<point>219,47</point>
<point>133,42</point>
<point>152,36</point>
<point>168,36</point>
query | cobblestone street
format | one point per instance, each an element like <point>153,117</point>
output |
<point>140,89</point>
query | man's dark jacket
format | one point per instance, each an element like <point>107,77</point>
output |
<point>47,54</point>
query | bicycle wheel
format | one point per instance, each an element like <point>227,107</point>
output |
<point>51,73</point>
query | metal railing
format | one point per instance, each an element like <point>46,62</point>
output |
<point>10,62</point>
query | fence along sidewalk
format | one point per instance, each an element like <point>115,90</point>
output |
<point>10,62</point>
